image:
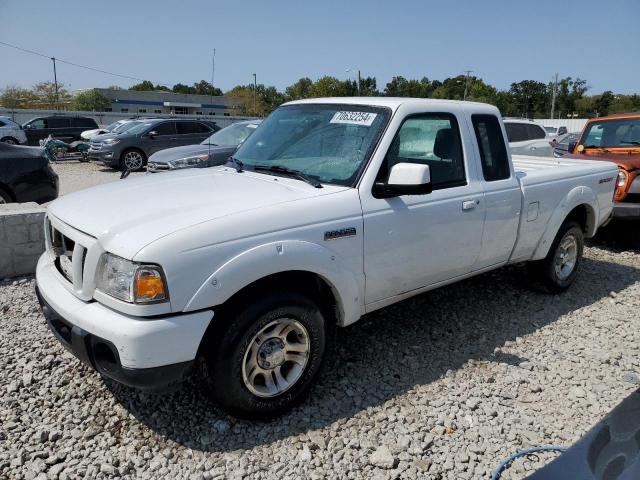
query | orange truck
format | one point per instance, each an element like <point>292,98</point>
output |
<point>615,138</point>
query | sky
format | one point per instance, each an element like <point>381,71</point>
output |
<point>501,41</point>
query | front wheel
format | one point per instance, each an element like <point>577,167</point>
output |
<point>267,358</point>
<point>132,160</point>
<point>559,269</point>
<point>10,141</point>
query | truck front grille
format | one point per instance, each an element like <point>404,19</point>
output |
<point>69,255</point>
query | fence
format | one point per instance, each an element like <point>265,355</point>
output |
<point>22,116</point>
<point>572,124</point>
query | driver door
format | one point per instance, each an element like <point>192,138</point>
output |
<point>413,241</point>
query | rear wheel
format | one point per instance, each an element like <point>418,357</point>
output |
<point>10,141</point>
<point>559,269</point>
<point>4,197</point>
<point>267,358</point>
<point>132,160</point>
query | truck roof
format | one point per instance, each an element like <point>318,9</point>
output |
<point>616,116</point>
<point>395,102</point>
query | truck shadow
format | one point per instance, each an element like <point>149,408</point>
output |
<point>619,235</point>
<point>387,354</point>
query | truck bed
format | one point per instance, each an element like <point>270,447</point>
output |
<point>533,170</point>
<point>545,183</point>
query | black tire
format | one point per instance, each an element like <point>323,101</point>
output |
<point>545,270</point>
<point>124,159</point>
<point>5,197</point>
<point>227,353</point>
<point>10,141</point>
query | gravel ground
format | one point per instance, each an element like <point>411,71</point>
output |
<point>442,386</point>
<point>75,175</point>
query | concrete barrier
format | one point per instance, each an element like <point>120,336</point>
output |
<point>21,238</point>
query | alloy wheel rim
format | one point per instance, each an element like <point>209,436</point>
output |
<point>133,160</point>
<point>275,358</point>
<point>566,257</point>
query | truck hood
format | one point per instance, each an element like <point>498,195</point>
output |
<point>163,156</point>
<point>627,158</point>
<point>129,214</point>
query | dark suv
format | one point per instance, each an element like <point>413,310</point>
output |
<point>67,129</point>
<point>130,149</point>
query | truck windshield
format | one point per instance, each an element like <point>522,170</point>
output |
<point>621,133</point>
<point>326,142</point>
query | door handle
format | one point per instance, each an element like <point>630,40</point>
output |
<point>470,204</point>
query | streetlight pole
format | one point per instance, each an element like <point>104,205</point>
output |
<point>55,80</point>
<point>553,98</point>
<point>466,84</point>
<point>255,93</point>
<point>213,71</point>
<point>359,79</point>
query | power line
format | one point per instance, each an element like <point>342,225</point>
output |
<point>49,57</point>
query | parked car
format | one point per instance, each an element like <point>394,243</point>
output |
<point>561,144</point>
<point>215,150</point>
<point>26,175</point>
<point>11,132</point>
<point>67,129</point>
<point>616,139</point>
<point>130,148</point>
<point>248,266</point>
<point>89,134</point>
<point>527,137</point>
<point>555,132</point>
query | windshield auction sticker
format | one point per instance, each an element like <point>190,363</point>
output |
<point>354,118</point>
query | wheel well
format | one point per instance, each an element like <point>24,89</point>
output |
<point>9,137</point>
<point>129,149</point>
<point>307,283</point>
<point>583,215</point>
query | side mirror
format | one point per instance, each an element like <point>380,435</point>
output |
<point>571,147</point>
<point>405,179</point>
<point>152,134</point>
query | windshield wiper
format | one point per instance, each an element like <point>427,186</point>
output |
<point>630,142</point>
<point>289,172</point>
<point>239,165</point>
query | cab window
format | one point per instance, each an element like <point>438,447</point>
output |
<point>431,139</point>
<point>493,152</point>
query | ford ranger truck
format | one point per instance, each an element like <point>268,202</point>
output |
<point>332,209</point>
<point>616,139</point>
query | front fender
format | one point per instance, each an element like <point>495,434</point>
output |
<point>576,197</point>
<point>283,256</point>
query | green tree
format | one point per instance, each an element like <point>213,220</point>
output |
<point>144,86</point>
<point>182,88</point>
<point>531,98</point>
<point>90,101</point>
<point>46,95</point>
<point>300,89</point>
<point>368,87</point>
<point>328,86</point>
<point>14,96</point>
<point>401,87</point>
<point>205,88</point>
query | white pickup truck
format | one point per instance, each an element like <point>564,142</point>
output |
<point>333,208</point>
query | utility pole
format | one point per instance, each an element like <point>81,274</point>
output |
<point>466,84</point>
<point>553,97</point>
<point>359,81</point>
<point>55,80</point>
<point>255,93</point>
<point>213,71</point>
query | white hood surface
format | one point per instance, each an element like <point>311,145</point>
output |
<point>129,214</point>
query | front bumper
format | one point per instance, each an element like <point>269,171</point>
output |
<point>147,353</point>
<point>109,157</point>
<point>629,211</point>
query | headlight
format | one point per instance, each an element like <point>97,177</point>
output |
<point>111,141</point>
<point>622,179</point>
<point>188,161</point>
<point>130,281</point>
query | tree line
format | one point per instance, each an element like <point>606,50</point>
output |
<point>527,98</point>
